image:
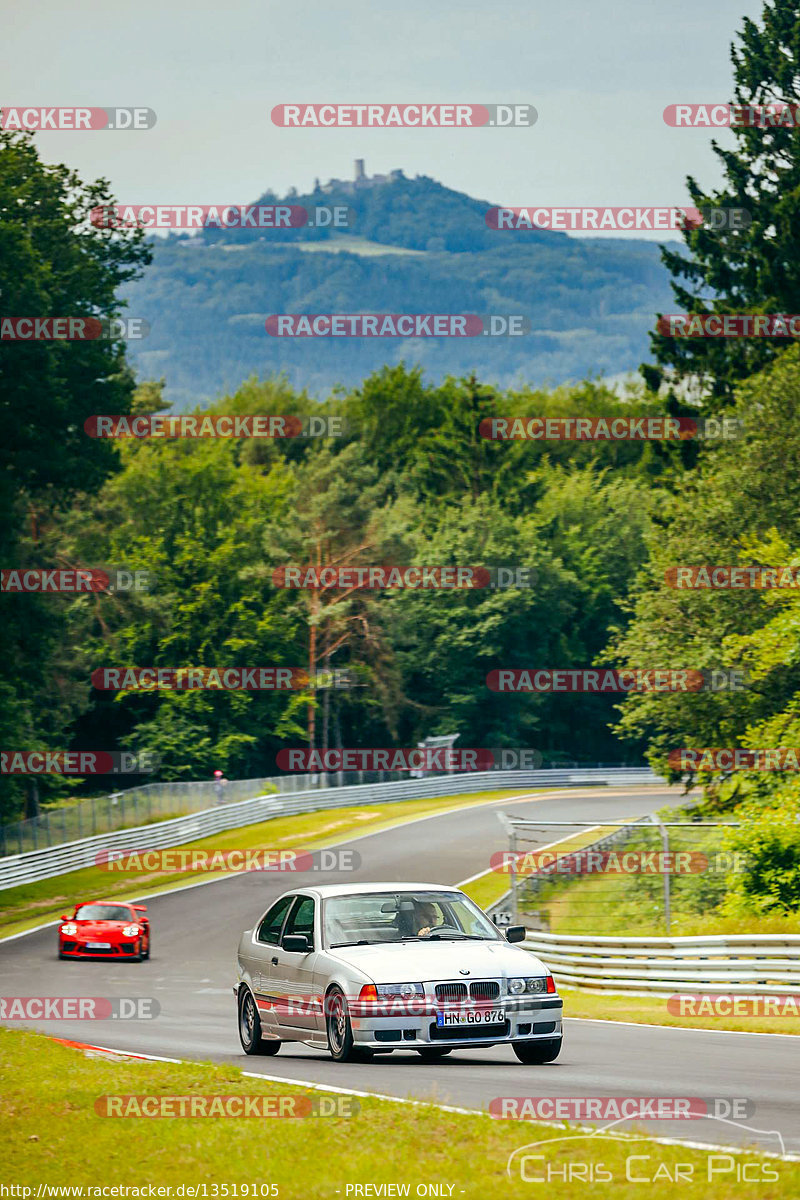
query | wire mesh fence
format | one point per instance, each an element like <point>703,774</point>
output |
<point>136,806</point>
<point>152,802</point>
<point>617,878</point>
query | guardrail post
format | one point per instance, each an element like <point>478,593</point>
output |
<point>665,846</point>
<point>513,874</point>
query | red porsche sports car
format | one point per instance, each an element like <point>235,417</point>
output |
<point>105,929</point>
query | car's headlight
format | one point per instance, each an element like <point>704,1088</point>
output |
<point>529,986</point>
<point>400,989</point>
<point>130,930</point>
<point>70,929</point>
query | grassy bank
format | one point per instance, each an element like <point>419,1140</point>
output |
<point>54,1135</point>
<point>652,1010</point>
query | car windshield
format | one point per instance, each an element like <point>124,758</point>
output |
<point>374,917</point>
<point>103,912</point>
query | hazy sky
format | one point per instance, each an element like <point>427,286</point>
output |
<point>599,73</point>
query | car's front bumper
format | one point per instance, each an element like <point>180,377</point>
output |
<point>74,949</point>
<point>524,1019</point>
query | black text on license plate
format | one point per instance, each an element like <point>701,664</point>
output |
<point>471,1016</point>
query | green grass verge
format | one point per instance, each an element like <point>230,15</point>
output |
<point>633,906</point>
<point>490,887</point>
<point>487,889</point>
<point>53,1135</point>
<point>652,1010</point>
<point>31,904</point>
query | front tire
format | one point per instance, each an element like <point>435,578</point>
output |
<point>338,1027</point>
<point>146,953</point>
<point>536,1053</point>
<point>250,1027</point>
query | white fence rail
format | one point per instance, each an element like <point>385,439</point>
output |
<point>763,964</point>
<point>18,869</point>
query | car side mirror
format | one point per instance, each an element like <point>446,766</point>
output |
<point>296,943</point>
<point>516,933</point>
<point>64,917</point>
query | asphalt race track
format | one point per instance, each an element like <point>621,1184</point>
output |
<point>192,970</point>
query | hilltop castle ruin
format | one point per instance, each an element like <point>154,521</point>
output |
<point>359,181</point>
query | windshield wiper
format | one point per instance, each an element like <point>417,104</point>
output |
<point>459,937</point>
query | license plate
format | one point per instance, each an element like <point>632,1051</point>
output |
<point>98,945</point>
<point>471,1016</point>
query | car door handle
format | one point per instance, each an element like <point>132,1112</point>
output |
<point>274,962</point>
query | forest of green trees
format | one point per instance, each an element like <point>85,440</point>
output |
<point>411,481</point>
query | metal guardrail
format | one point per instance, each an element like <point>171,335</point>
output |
<point>146,803</point>
<point>19,869</point>
<point>759,964</point>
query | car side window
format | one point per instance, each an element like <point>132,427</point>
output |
<point>270,928</point>
<point>301,919</point>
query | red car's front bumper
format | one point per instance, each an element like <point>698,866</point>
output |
<point>70,948</point>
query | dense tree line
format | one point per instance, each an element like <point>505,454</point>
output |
<point>411,481</point>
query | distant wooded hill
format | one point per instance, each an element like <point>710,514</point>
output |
<point>412,246</point>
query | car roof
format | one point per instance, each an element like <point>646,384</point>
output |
<point>325,890</point>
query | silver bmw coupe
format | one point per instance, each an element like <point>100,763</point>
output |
<point>363,969</point>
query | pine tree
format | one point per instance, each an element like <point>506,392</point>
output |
<point>755,269</point>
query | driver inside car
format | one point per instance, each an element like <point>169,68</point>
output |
<point>427,918</point>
